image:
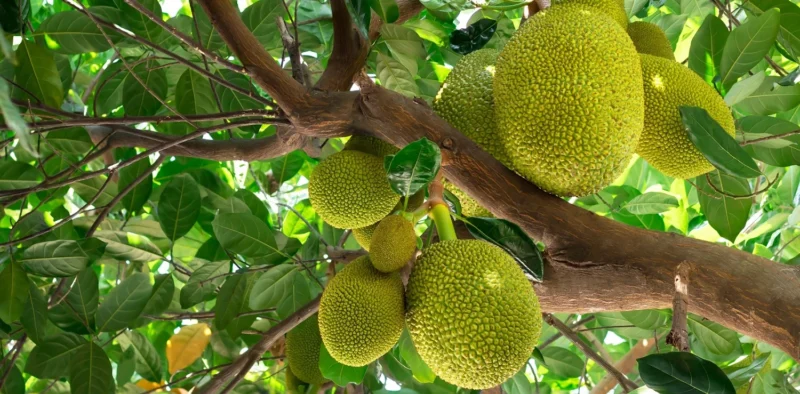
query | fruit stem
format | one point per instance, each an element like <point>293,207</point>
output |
<point>440,214</point>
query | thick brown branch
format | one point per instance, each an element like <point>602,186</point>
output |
<point>350,50</point>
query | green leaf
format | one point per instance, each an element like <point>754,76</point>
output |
<point>717,145</point>
<point>193,94</point>
<point>14,289</point>
<point>148,362</point>
<point>651,203</point>
<point>208,35</point>
<point>257,207</point>
<point>672,25</point>
<point>75,32</point>
<point>161,297</point>
<point>139,23</point>
<point>682,372</point>
<point>14,382</point>
<point>716,338</point>
<point>136,198</point>
<point>13,119</point>
<point>233,299</point>
<point>741,376</point>
<point>179,206</point>
<point>14,14</point>
<point>405,45</point>
<point>16,175</point>
<point>781,152</point>
<point>90,371</point>
<point>444,9</point>
<point>34,316</point>
<point>73,140</point>
<point>748,44</point>
<point>744,88</point>
<point>789,32</point>
<point>261,17</point>
<point>649,319</point>
<point>298,296</point>
<point>109,93</point>
<point>339,374</point>
<point>705,53</point>
<point>129,246</point>
<point>272,287</point>
<point>51,359</point>
<point>88,188</point>
<point>694,8</point>
<point>203,283</point>
<point>233,101</point>
<point>393,75</point>
<point>61,258</point>
<point>84,297</point>
<point>244,234</point>
<point>512,239</point>
<point>288,166</point>
<point>518,384</point>
<point>770,98</point>
<point>124,303</point>
<point>562,362</point>
<point>409,353</point>
<point>414,166</point>
<point>726,214</point>
<point>36,73</point>
<point>126,366</point>
<point>138,100</point>
<point>387,10</point>
<point>633,7</point>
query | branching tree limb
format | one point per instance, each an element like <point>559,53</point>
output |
<point>350,50</point>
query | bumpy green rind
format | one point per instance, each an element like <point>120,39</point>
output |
<point>393,244</point>
<point>472,314</point>
<point>612,8</point>
<point>302,351</point>
<point>665,144</point>
<point>363,235</point>
<point>569,109</point>
<point>350,189</point>
<point>371,145</point>
<point>361,313</point>
<point>650,39</point>
<point>469,207</point>
<point>293,384</point>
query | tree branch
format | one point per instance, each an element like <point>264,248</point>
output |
<point>408,9</point>
<point>350,50</point>
<point>679,334</point>
<point>625,365</point>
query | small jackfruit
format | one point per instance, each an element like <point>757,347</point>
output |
<point>371,145</point>
<point>393,244</point>
<point>469,207</point>
<point>363,235</point>
<point>361,313</point>
<point>293,384</point>
<point>650,39</point>
<point>569,109</point>
<point>665,143</point>
<point>302,351</point>
<point>472,314</point>
<point>350,189</point>
<point>612,8</point>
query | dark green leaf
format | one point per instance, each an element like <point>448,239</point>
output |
<point>124,303</point>
<point>126,367</point>
<point>717,145</point>
<point>685,373</point>
<point>13,291</point>
<point>138,100</point>
<point>648,319</point>
<point>36,72</point>
<point>387,10</point>
<point>73,140</point>
<point>75,32</point>
<point>260,19</point>
<point>518,384</point>
<point>13,119</point>
<point>512,239</point>
<point>137,197</point>
<point>725,213</point>
<point>161,297</point>
<point>444,9</point>
<point>61,258</point>
<point>473,37</point>
<point>90,371</point>
<point>297,296</point>
<point>288,166</point>
<point>16,175</point>
<point>714,337</point>
<point>789,33</point>
<point>148,362</point>
<point>139,23</point>
<point>51,359</point>
<point>129,246</point>
<point>84,297</point>
<point>257,207</point>
<point>193,94</point>
<point>244,234</point>
<point>748,44</point>
<point>14,14</point>
<point>781,152</point>
<point>272,287</point>
<point>34,316</point>
<point>233,299</point>
<point>740,376</point>
<point>339,374</point>
<point>203,282</point>
<point>770,98</point>
<point>414,166</point>
<point>88,188</point>
<point>14,382</point>
<point>705,53</point>
<point>179,206</point>
<point>562,362</point>
<point>208,37</point>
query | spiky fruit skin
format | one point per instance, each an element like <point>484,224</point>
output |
<point>650,39</point>
<point>302,351</point>
<point>612,8</point>
<point>469,207</point>
<point>293,384</point>
<point>361,313</point>
<point>565,129</point>
<point>371,145</point>
<point>393,244</point>
<point>350,189</point>
<point>363,235</point>
<point>665,144</point>
<point>472,314</point>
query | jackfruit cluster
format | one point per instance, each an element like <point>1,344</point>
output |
<point>650,39</point>
<point>615,9</point>
<point>569,109</point>
<point>665,144</point>
<point>350,189</point>
<point>363,235</point>
<point>393,244</point>
<point>472,314</point>
<point>361,313</point>
<point>302,351</point>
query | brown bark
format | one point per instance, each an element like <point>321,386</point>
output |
<point>679,334</point>
<point>350,51</point>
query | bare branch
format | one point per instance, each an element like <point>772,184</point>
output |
<point>770,137</point>
<point>679,334</point>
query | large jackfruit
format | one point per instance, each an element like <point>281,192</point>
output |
<point>302,351</point>
<point>371,145</point>
<point>650,39</point>
<point>350,189</point>
<point>612,8</point>
<point>472,314</point>
<point>665,144</point>
<point>569,109</point>
<point>393,244</point>
<point>363,235</point>
<point>361,313</point>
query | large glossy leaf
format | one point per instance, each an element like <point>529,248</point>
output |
<point>714,337</point>
<point>725,212</point>
<point>235,101</point>
<point>339,373</point>
<point>14,288</point>
<point>705,53</point>
<point>187,346</point>
<point>717,145</point>
<point>782,152</point>
<point>84,297</point>
<point>90,371</point>
<point>405,44</point>
<point>682,372</point>
<point>136,198</point>
<point>61,258</point>
<point>109,91</point>
<point>148,362</point>
<point>179,206</point>
<point>128,246</point>
<point>139,23</point>
<point>206,34</point>
<point>286,167</point>
<point>741,375</point>
<point>512,239</point>
<point>562,362</point>
<point>124,303</point>
<point>16,175</point>
<point>789,33</point>
<point>649,319</point>
<point>88,188</point>
<point>244,234</point>
<point>73,140</point>
<point>394,76</point>
<point>748,44</point>
<point>261,18</point>
<point>651,203</point>
<point>233,300</point>
<point>272,286</point>
<point>203,282</point>
<point>37,74</point>
<point>74,32</point>
<point>161,297</point>
<point>138,100</point>
<point>51,359</point>
<point>414,166</point>
<point>34,316</point>
<point>770,98</point>
<point>193,94</point>
<point>387,10</point>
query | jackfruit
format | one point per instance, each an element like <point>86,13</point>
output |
<point>472,314</point>
<point>569,109</point>
<point>293,384</point>
<point>350,189</point>
<point>612,8</point>
<point>361,313</point>
<point>393,244</point>
<point>414,201</point>
<point>363,235</point>
<point>371,145</point>
<point>469,207</point>
<point>650,39</point>
<point>665,144</point>
<point>302,351</point>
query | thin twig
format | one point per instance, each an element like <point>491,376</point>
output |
<point>679,334</point>
<point>770,137</point>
